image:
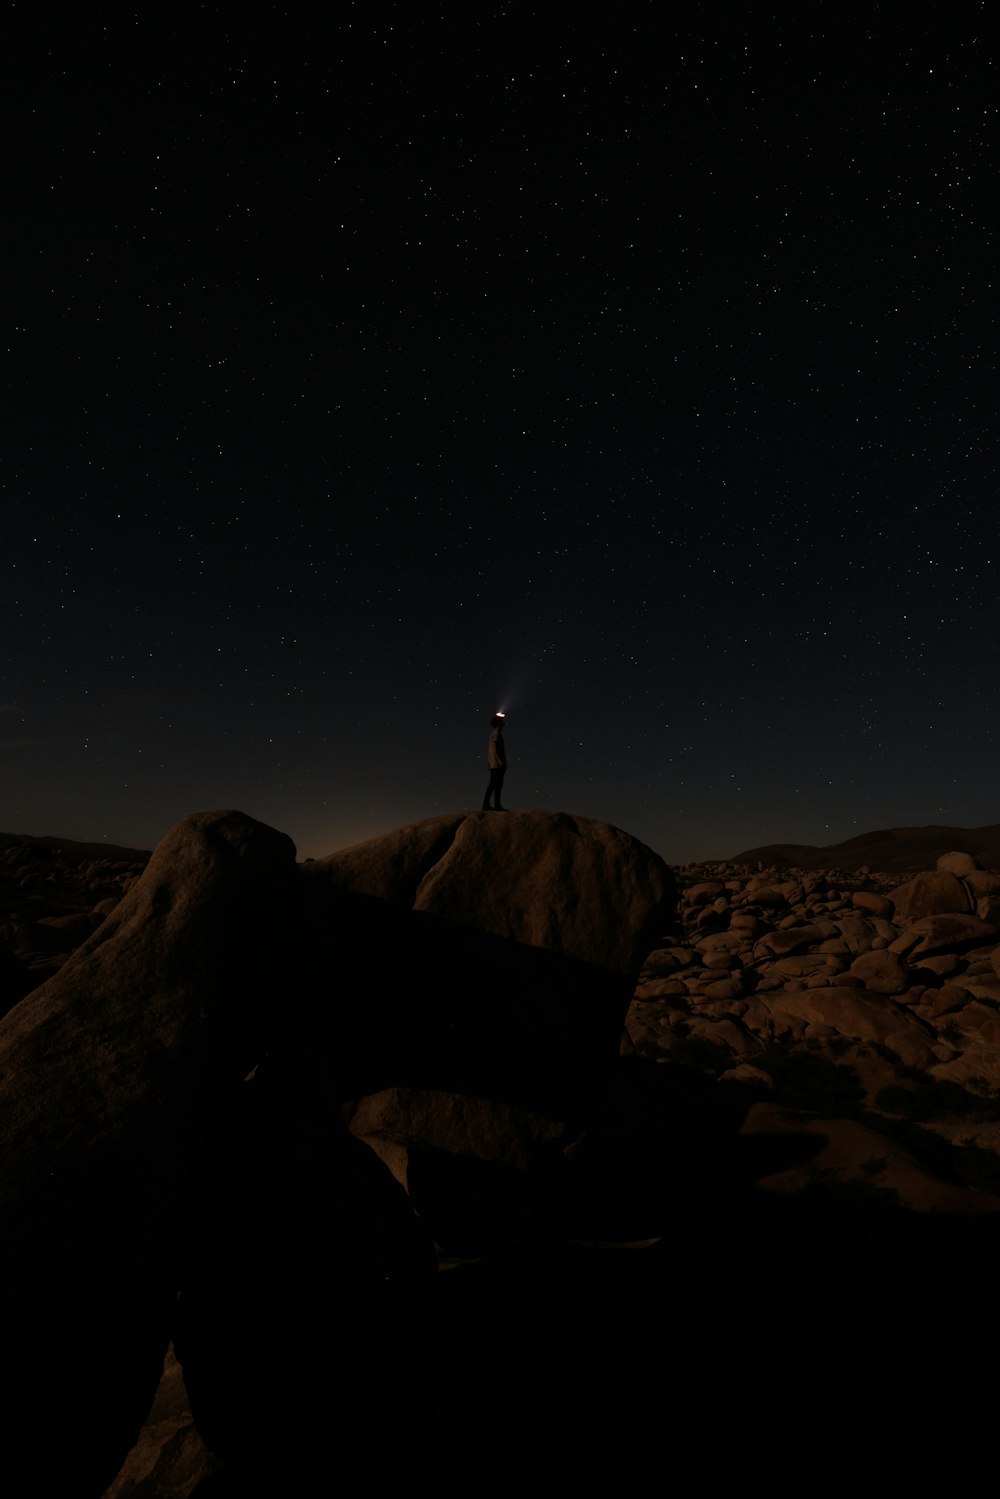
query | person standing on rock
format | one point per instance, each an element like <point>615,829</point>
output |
<point>496,759</point>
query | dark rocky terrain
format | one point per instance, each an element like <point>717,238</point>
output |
<point>53,894</point>
<point>871,1000</point>
<point>493,1156</point>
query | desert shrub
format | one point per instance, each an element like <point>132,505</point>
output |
<point>965,1165</point>
<point>978,1167</point>
<point>829,1187</point>
<point>886,1054</point>
<point>930,1150</point>
<point>914,1074</point>
<point>959,1100</point>
<point>700,1053</point>
<point>895,1099</point>
<point>935,1100</point>
<point>803,1080</point>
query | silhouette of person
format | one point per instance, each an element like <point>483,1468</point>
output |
<point>496,759</point>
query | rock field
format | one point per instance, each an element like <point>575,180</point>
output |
<point>861,995</point>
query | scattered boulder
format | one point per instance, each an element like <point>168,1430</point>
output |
<point>870,900</point>
<point>938,892</point>
<point>957,862</point>
<point>881,971</point>
<point>849,1012</point>
<point>930,935</point>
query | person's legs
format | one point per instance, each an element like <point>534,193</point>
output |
<point>493,789</point>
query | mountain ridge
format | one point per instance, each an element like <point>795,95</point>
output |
<point>893,850</point>
<point>73,848</point>
<point>889,849</point>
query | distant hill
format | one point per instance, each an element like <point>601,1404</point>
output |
<point>73,850</point>
<point>889,849</point>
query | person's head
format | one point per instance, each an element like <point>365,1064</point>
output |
<point>498,720</point>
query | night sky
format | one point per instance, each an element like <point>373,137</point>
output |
<point>635,376</point>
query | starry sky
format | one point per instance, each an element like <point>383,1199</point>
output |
<point>368,373</point>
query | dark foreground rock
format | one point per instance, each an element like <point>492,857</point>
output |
<point>176,1162</point>
<point>111,1076</point>
<point>170,1459</point>
<point>496,956</point>
<point>530,1264</point>
<point>672,1311</point>
<point>469,977</point>
<point>305,1285</point>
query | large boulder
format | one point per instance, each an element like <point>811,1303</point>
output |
<point>111,1076</point>
<point>850,1012</point>
<point>549,880</point>
<point>930,935</point>
<point>492,957</point>
<point>935,892</point>
<point>957,862</point>
<point>881,972</point>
